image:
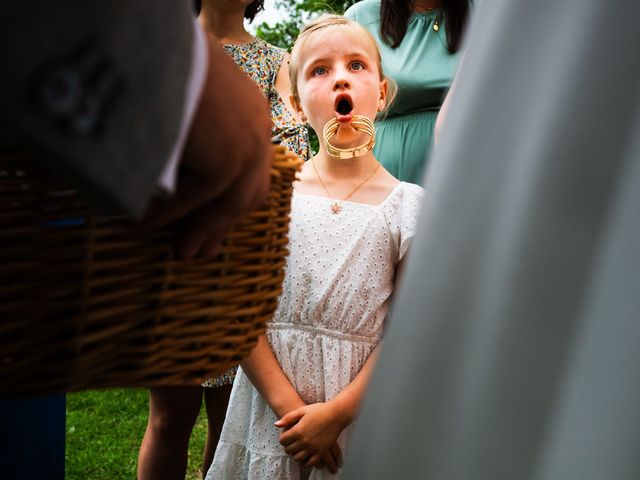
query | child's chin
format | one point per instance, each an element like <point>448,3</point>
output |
<point>347,137</point>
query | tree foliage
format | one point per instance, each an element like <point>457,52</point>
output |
<point>284,33</point>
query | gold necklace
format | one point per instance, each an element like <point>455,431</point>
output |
<point>336,205</point>
<point>436,21</point>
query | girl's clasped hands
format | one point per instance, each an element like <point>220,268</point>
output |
<point>310,434</point>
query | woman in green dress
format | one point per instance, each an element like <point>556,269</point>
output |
<point>419,41</point>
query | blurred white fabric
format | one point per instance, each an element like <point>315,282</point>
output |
<point>513,348</point>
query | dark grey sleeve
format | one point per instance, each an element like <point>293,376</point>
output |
<point>97,87</point>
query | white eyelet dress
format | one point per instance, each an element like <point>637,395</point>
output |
<point>330,316</point>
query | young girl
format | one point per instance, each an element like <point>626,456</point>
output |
<point>351,223</point>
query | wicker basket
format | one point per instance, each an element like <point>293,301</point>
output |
<point>91,302</point>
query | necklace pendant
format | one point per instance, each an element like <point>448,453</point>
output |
<point>436,27</point>
<point>335,208</point>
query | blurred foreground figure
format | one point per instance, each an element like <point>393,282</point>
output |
<point>513,347</point>
<point>120,95</point>
<point>116,97</point>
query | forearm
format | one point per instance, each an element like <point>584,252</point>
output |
<point>266,375</point>
<point>283,86</point>
<point>347,403</point>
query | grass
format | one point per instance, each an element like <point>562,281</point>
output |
<point>104,431</point>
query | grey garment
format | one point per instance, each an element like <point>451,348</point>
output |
<point>99,87</point>
<point>512,351</point>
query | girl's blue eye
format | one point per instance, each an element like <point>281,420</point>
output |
<point>357,65</point>
<point>319,71</point>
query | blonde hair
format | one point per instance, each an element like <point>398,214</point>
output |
<point>324,22</point>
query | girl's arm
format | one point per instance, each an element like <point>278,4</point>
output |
<point>312,430</point>
<point>266,375</point>
<point>347,402</point>
<point>283,86</point>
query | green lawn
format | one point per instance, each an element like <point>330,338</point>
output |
<point>104,430</point>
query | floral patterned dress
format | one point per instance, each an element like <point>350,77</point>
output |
<point>261,61</point>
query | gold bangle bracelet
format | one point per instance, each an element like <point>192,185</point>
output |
<point>359,123</point>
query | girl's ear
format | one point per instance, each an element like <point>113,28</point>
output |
<point>384,90</point>
<point>295,103</point>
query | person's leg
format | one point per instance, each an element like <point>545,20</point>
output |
<point>172,414</point>
<point>216,401</point>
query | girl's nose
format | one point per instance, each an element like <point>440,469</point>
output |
<point>341,83</point>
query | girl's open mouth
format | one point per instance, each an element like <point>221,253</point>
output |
<point>343,108</point>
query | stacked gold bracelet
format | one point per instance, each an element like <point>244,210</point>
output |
<point>359,123</point>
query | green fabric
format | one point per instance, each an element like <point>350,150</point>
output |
<point>423,69</point>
